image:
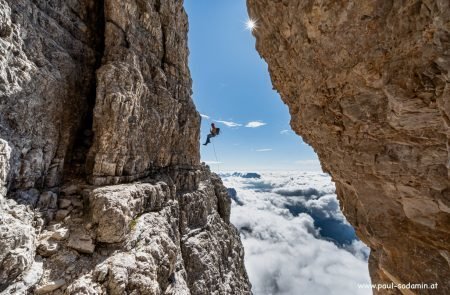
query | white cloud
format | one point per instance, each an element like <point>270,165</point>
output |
<point>287,248</point>
<point>205,116</point>
<point>285,131</point>
<point>229,123</point>
<point>264,150</point>
<point>255,124</point>
<point>212,162</point>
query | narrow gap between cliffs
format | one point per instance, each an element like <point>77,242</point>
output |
<point>76,163</point>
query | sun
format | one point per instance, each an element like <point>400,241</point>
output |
<point>250,24</point>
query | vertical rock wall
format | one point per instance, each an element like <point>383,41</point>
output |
<point>48,51</point>
<point>47,70</point>
<point>144,117</point>
<point>96,93</point>
<point>367,86</point>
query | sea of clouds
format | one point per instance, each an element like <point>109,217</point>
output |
<point>295,237</point>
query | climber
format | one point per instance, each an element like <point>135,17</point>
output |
<point>212,133</point>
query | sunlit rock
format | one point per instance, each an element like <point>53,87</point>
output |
<point>366,83</point>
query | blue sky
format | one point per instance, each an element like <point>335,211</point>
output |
<point>231,83</point>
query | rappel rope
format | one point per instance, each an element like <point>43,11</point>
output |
<point>217,161</point>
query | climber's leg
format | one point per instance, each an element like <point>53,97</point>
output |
<point>208,139</point>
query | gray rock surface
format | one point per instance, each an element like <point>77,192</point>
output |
<point>144,117</point>
<point>49,287</point>
<point>149,238</point>
<point>60,233</point>
<point>29,278</point>
<point>17,242</point>
<point>17,236</point>
<point>123,203</point>
<point>93,94</point>
<point>47,66</point>
<point>47,247</point>
<point>5,155</point>
<point>82,242</point>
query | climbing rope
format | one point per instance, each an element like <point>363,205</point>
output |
<point>215,154</point>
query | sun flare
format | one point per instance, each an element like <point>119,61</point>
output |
<point>250,24</point>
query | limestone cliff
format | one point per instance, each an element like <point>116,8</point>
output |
<point>102,191</point>
<point>367,86</point>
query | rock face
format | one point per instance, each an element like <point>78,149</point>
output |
<point>367,86</point>
<point>47,83</point>
<point>96,93</point>
<point>144,117</point>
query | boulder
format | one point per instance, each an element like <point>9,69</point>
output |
<point>61,214</point>
<point>113,208</point>
<point>64,203</point>
<point>47,200</point>
<point>61,234</point>
<point>49,287</point>
<point>47,247</point>
<point>81,242</point>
